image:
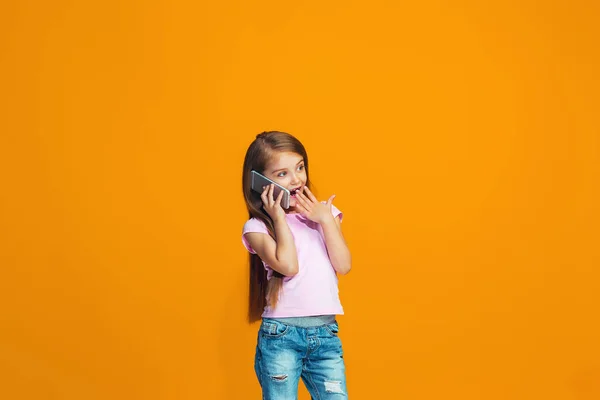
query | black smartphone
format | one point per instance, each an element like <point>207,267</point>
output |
<point>260,181</point>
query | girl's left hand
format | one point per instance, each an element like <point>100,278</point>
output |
<point>311,208</point>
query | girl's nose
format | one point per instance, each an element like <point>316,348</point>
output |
<point>295,179</point>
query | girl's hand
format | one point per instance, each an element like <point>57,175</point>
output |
<point>313,209</point>
<point>272,206</point>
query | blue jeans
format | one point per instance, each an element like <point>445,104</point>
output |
<point>286,353</point>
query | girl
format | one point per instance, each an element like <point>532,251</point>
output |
<point>294,257</point>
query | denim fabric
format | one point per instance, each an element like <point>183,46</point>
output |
<point>286,353</point>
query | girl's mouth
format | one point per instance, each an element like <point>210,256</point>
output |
<point>293,192</point>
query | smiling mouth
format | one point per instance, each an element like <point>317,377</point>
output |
<point>294,191</point>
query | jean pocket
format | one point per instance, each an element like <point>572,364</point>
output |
<point>333,328</point>
<point>273,329</point>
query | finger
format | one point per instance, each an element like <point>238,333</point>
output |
<point>301,209</point>
<point>310,195</point>
<point>263,195</point>
<point>303,201</point>
<point>279,197</point>
<point>302,196</point>
<point>330,200</point>
<point>271,189</point>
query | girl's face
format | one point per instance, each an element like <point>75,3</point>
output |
<point>288,170</point>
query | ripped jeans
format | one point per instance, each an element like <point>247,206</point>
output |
<point>286,353</point>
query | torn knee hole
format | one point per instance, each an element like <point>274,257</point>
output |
<point>334,387</point>
<point>279,378</point>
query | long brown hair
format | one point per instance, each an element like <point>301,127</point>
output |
<point>263,291</point>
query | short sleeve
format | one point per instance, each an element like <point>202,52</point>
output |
<point>335,211</point>
<point>253,225</point>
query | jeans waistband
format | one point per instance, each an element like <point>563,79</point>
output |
<point>306,322</point>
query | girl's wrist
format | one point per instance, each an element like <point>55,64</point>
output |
<point>277,219</point>
<point>328,220</point>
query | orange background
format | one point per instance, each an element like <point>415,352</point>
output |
<point>462,140</point>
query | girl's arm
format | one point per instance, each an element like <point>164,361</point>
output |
<point>281,256</point>
<point>339,254</point>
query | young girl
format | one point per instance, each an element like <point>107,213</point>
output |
<point>295,254</point>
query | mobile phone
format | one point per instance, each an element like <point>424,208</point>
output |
<point>259,181</point>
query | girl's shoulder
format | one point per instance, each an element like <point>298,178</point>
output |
<point>254,225</point>
<point>336,212</point>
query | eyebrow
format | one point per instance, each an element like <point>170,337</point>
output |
<point>282,169</point>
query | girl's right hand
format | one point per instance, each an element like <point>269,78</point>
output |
<point>272,206</point>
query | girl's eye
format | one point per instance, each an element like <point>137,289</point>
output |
<point>301,167</point>
<point>281,174</point>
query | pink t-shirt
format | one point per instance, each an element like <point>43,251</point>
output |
<point>313,290</point>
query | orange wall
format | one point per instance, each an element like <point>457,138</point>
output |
<point>462,140</point>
